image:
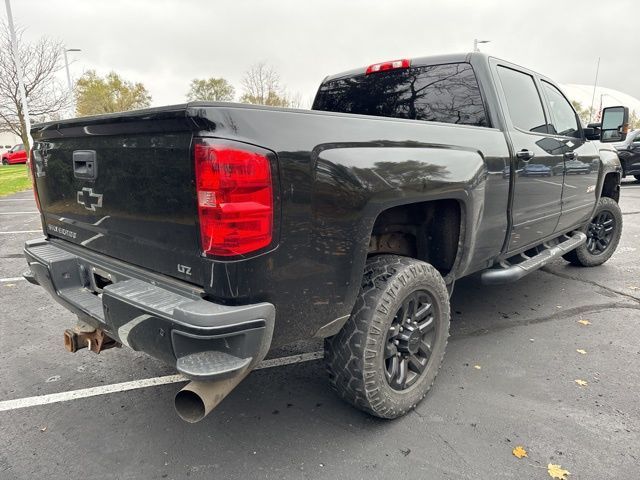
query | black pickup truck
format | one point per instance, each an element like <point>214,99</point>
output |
<point>206,234</point>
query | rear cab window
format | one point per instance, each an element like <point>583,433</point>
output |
<point>447,93</point>
<point>523,100</point>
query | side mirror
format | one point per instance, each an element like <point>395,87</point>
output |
<point>591,133</point>
<point>615,124</point>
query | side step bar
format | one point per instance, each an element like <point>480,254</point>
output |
<point>509,272</point>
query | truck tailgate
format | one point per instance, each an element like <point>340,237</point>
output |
<point>123,186</point>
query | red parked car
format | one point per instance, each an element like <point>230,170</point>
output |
<point>16,155</point>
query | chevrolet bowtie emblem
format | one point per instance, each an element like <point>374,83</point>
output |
<point>89,200</point>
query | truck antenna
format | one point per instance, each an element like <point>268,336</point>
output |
<point>595,84</point>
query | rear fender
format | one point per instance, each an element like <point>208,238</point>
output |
<point>354,183</point>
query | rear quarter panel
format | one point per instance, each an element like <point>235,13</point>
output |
<point>337,173</point>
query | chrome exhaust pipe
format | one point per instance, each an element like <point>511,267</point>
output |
<point>197,399</point>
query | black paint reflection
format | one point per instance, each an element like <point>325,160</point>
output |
<point>439,93</point>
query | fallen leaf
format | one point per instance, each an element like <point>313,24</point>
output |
<point>581,351</point>
<point>558,306</point>
<point>584,322</point>
<point>519,452</point>
<point>43,429</point>
<point>477,367</point>
<point>582,383</point>
<point>557,472</point>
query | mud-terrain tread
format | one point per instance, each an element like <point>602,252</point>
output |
<point>352,372</point>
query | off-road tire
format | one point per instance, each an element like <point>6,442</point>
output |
<point>581,257</point>
<point>355,355</point>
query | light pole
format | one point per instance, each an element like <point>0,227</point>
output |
<point>602,95</point>
<point>476,42</point>
<point>66,66</point>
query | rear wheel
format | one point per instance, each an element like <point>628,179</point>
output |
<point>637,177</point>
<point>387,355</point>
<point>5,162</point>
<point>603,236</point>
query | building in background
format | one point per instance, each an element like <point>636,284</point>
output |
<point>604,97</point>
<point>8,140</point>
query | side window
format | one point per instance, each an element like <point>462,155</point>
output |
<point>563,118</point>
<point>20,148</point>
<point>523,100</point>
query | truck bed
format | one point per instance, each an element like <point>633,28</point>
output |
<point>333,173</point>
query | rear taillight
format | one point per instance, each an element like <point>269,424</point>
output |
<point>32,168</point>
<point>392,65</point>
<point>235,198</point>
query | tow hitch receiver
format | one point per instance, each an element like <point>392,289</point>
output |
<point>86,336</point>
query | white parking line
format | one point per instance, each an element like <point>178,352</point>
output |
<point>26,199</point>
<point>11,279</point>
<point>20,231</point>
<point>135,385</point>
<point>17,213</point>
<point>548,182</point>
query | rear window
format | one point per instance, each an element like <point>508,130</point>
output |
<point>436,93</point>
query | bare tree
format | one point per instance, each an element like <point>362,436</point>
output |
<point>261,86</point>
<point>297,101</point>
<point>41,61</point>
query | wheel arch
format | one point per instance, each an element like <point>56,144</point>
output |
<point>611,186</point>
<point>431,230</point>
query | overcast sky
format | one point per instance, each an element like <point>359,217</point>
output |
<point>165,44</point>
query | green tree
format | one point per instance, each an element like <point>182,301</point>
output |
<point>582,112</point>
<point>634,120</point>
<point>261,86</point>
<point>96,95</point>
<point>211,90</point>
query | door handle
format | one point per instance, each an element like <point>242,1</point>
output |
<point>525,155</point>
<point>570,155</point>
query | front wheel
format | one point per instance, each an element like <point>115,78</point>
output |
<point>5,162</point>
<point>603,236</point>
<point>637,177</point>
<point>387,355</point>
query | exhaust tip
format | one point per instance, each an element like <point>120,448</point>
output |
<point>196,399</point>
<point>190,406</point>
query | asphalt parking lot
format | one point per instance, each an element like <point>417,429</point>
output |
<point>508,379</point>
